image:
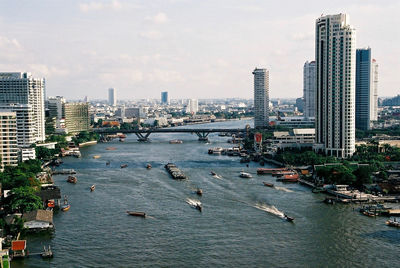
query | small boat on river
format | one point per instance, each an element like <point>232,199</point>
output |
<point>66,206</point>
<point>175,141</point>
<point>72,179</point>
<point>199,191</point>
<point>245,175</point>
<point>136,213</point>
<point>286,217</point>
<point>108,163</point>
<point>393,223</point>
<point>96,156</point>
<point>148,166</point>
<point>213,173</point>
<point>92,188</point>
<point>124,165</point>
<point>268,184</point>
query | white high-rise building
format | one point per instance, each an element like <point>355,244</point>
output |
<point>309,88</point>
<point>22,88</point>
<point>261,98</point>
<point>112,97</point>
<point>193,106</point>
<point>8,139</point>
<point>335,58</point>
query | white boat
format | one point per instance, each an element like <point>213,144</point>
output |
<point>245,175</point>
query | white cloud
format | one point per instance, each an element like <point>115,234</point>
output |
<point>152,35</point>
<point>303,36</point>
<point>166,76</point>
<point>159,18</point>
<point>94,6</point>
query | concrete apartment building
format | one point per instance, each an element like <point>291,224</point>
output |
<point>8,139</point>
<point>112,97</point>
<point>23,88</point>
<point>56,110</point>
<point>261,98</point>
<point>335,79</point>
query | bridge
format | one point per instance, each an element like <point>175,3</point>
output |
<point>143,134</point>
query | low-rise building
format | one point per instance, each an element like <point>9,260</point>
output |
<point>38,220</point>
<point>301,137</point>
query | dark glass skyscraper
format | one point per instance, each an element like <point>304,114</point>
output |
<point>164,97</point>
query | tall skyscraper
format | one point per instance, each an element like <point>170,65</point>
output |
<point>366,89</point>
<point>112,97</point>
<point>335,80</point>
<point>56,109</point>
<point>164,98</point>
<point>309,88</point>
<point>22,88</point>
<point>261,98</point>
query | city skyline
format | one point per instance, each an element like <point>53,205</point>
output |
<point>190,59</point>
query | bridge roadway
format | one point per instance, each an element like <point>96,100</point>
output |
<point>143,134</point>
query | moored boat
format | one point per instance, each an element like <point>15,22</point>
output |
<point>268,184</point>
<point>136,213</point>
<point>269,170</point>
<point>290,178</point>
<point>393,222</point>
<point>245,175</point>
<point>66,206</point>
<point>72,179</point>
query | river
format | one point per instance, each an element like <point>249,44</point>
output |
<point>240,224</point>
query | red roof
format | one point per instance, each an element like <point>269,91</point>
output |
<point>18,245</point>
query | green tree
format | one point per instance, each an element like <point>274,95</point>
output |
<point>23,199</point>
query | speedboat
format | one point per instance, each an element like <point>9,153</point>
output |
<point>92,188</point>
<point>286,217</point>
<point>213,173</point>
<point>245,175</point>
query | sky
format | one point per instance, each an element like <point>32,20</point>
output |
<point>190,48</point>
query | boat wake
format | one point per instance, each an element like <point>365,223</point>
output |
<point>283,189</point>
<point>193,202</point>
<point>217,177</point>
<point>270,209</point>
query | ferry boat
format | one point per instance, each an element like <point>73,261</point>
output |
<point>175,141</point>
<point>261,171</point>
<point>245,175</point>
<point>283,172</point>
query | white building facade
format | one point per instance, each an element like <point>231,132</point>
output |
<point>261,98</point>
<point>23,88</point>
<point>8,139</point>
<point>309,91</point>
<point>193,106</point>
<point>56,110</point>
<point>335,77</point>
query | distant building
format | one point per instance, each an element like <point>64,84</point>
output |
<point>24,89</point>
<point>8,139</point>
<point>193,106</point>
<point>335,80</point>
<point>309,88</point>
<point>56,110</point>
<point>77,117</point>
<point>300,104</point>
<point>132,112</point>
<point>293,121</point>
<point>295,138</point>
<point>366,89</point>
<point>164,98</point>
<point>112,97</point>
<point>395,101</point>
<point>261,98</point>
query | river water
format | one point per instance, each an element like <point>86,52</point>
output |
<point>240,225</point>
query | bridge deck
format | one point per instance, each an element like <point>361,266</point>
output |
<point>168,130</point>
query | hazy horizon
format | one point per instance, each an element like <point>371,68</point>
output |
<point>192,49</point>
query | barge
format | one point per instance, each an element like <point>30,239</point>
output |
<point>175,172</point>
